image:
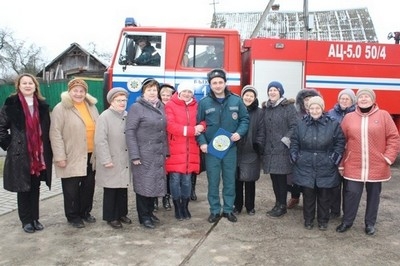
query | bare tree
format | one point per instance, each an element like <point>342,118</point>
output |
<point>17,57</point>
<point>105,56</point>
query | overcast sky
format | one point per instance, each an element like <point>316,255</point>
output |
<point>55,25</point>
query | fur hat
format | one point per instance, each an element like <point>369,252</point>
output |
<point>278,86</point>
<point>350,93</point>
<point>368,91</point>
<point>185,85</point>
<point>77,82</point>
<point>249,88</point>
<point>215,73</point>
<point>113,93</point>
<point>166,85</point>
<point>316,100</point>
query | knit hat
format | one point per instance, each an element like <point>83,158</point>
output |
<point>215,73</point>
<point>185,85</point>
<point>77,82</point>
<point>350,93</point>
<point>316,100</point>
<point>249,88</point>
<point>278,86</point>
<point>113,93</point>
<point>368,91</point>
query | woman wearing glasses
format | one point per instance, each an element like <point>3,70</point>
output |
<point>112,159</point>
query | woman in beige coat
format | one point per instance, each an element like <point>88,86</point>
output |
<point>112,159</point>
<point>72,129</point>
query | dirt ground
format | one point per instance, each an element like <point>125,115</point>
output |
<point>253,240</point>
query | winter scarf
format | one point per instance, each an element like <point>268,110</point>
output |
<point>33,136</point>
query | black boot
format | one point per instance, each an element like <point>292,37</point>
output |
<point>274,209</point>
<point>193,195</point>
<point>185,208</point>
<point>155,204</point>
<point>279,212</point>
<point>178,209</point>
<point>166,203</point>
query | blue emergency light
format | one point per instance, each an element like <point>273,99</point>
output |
<point>130,22</point>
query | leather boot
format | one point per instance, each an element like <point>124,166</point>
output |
<point>274,209</point>
<point>166,202</point>
<point>155,204</point>
<point>279,212</point>
<point>185,208</point>
<point>178,209</point>
<point>193,195</point>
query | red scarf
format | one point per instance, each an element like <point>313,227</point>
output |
<point>33,136</point>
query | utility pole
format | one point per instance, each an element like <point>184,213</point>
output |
<point>262,19</point>
<point>306,19</point>
<point>214,23</point>
<point>214,2</point>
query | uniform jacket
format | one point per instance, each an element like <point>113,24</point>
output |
<point>16,172</point>
<point>316,149</point>
<point>146,137</point>
<point>279,122</point>
<point>68,136</point>
<point>184,152</point>
<point>373,144</point>
<point>249,147</point>
<point>149,56</point>
<point>230,115</point>
<point>338,113</point>
<point>110,147</point>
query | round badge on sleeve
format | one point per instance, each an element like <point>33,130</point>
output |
<point>234,116</point>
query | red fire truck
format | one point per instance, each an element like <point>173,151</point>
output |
<point>190,53</point>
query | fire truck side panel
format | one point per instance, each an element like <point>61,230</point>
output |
<point>333,66</point>
<point>266,60</point>
<point>326,66</point>
<point>289,73</point>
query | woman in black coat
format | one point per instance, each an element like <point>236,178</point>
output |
<point>248,149</point>
<point>317,145</point>
<point>24,134</point>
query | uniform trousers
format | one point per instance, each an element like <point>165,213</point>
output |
<point>115,203</point>
<point>352,197</point>
<point>216,168</point>
<point>28,202</point>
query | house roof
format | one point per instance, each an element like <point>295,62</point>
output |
<point>333,25</point>
<point>72,47</point>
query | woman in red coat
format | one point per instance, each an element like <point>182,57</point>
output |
<point>184,157</point>
<point>373,144</point>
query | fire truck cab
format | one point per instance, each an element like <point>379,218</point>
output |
<point>176,54</point>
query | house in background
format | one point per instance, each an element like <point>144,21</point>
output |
<point>74,61</point>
